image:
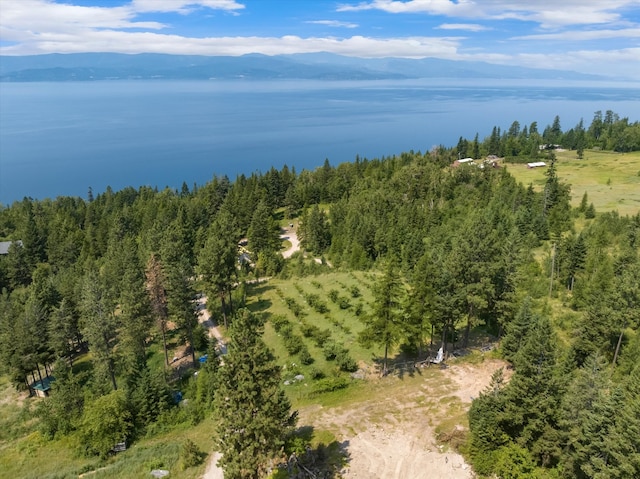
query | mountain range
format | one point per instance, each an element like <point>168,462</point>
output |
<point>311,66</point>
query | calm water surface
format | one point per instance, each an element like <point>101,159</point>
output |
<point>62,138</point>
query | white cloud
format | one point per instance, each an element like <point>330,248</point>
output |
<point>471,27</point>
<point>149,42</point>
<point>38,16</point>
<point>547,13</point>
<point>334,23</point>
<point>183,6</point>
<point>584,35</point>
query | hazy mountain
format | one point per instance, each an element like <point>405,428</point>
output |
<point>318,66</point>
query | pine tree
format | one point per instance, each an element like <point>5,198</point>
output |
<point>63,330</point>
<point>135,311</point>
<point>384,325</point>
<point>217,260</point>
<point>485,424</point>
<point>254,414</point>
<point>533,395</point>
<point>518,329</point>
<point>263,232</point>
<point>179,272</point>
<point>156,288</point>
<point>100,330</point>
<point>586,417</point>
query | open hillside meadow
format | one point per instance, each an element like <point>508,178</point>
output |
<point>405,317</point>
<point>611,180</point>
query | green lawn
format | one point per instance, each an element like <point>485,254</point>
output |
<point>611,180</point>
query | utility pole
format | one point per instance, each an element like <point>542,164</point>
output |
<point>553,265</point>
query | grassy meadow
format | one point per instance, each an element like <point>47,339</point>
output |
<point>611,180</point>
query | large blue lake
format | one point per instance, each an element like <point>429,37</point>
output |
<point>62,138</point>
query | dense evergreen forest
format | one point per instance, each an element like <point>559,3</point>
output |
<point>89,287</point>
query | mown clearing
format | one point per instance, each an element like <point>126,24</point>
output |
<point>611,180</point>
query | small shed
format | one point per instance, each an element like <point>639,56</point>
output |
<point>462,161</point>
<point>536,164</point>
<point>42,387</point>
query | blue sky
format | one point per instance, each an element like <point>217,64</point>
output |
<point>591,36</point>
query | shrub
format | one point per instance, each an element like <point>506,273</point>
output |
<point>334,295</point>
<point>293,305</point>
<point>345,362</point>
<point>330,350</point>
<point>321,337</point>
<point>305,356</point>
<point>355,291</point>
<point>344,303</point>
<point>278,321</point>
<point>294,344</point>
<point>190,455</point>
<point>330,384</point>
<point>316,303</point>
<point>309,330</point>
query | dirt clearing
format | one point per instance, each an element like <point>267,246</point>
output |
<point>393,433</point>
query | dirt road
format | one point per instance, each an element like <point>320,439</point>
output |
<point>291,236</point>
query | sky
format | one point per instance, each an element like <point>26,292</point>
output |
<point>590,36</point>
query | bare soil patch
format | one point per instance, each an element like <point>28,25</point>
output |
<point>392,434</point>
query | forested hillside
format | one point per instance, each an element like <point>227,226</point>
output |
<point>93,289</point>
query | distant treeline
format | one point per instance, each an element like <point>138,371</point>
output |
<point>606,132</point>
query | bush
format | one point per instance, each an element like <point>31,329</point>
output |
<point>295,308</point>
<point>190,455</point>
<point>305,356</point>
<point>334,295</point>
<point>294,344</point>
<point>316,303</point>
<point>355,292</point>
<point>321,337</point>
<point>345,362</point>
<point>200,338</point>
<point>309,330</point>
<point>344,303</point>
<point>330,384</point>
<point>279,321</point>
<point>330,350</point>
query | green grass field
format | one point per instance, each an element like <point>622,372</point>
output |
<point>611,180</point>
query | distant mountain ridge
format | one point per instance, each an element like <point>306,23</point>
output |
<point>311,66</point>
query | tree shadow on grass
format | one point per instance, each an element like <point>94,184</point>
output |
<point>310,457</point>
<point>261,304</point>
<point>398,366</point>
